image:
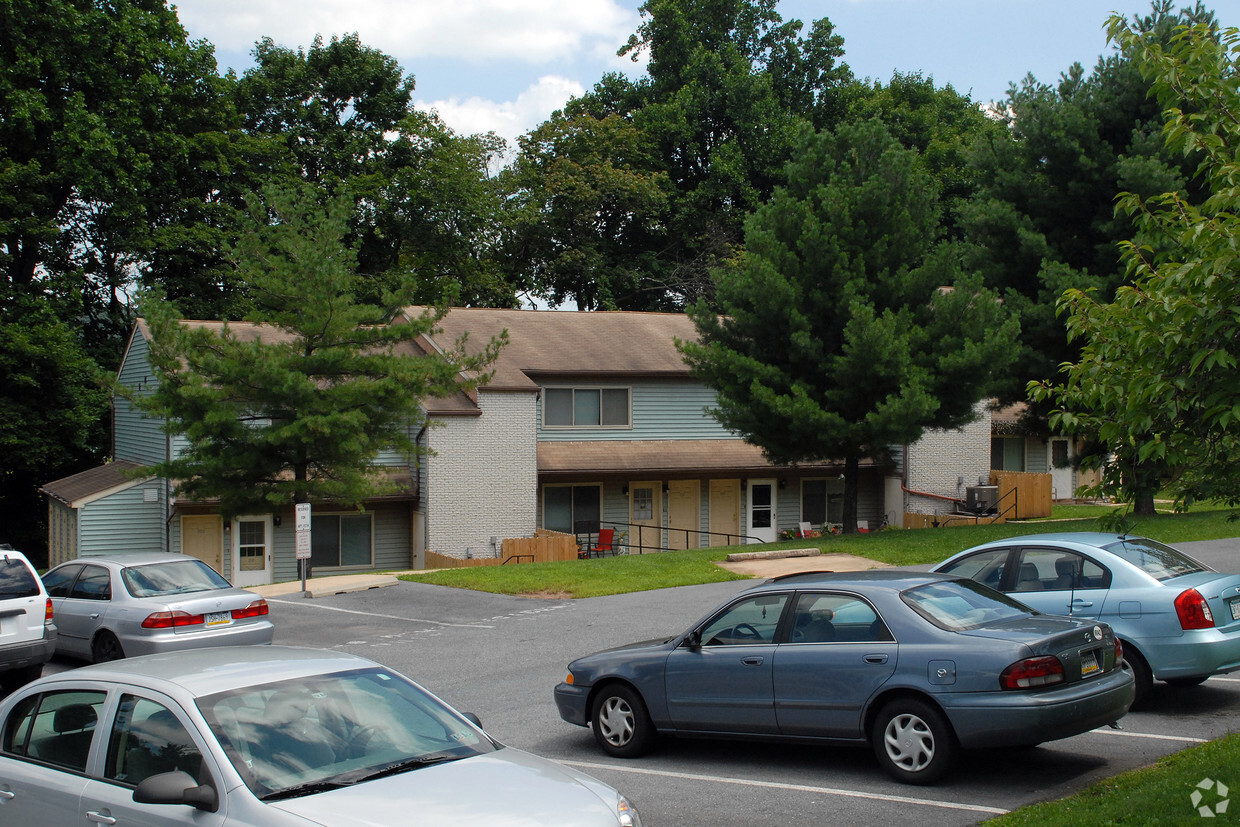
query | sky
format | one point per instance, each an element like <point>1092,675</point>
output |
<point>506,65</point>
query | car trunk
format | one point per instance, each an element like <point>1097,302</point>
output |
<point>1085,649</point>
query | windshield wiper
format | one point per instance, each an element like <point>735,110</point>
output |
<point>402,766</point>
<point>304,789</point>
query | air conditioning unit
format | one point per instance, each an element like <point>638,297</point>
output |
<point>982,499</point>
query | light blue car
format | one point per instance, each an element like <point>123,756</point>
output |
<point>1178,619</point>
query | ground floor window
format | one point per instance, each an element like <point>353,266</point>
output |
<point>1007,453</point>
<point>572,509</point>
<point>822,501</point>
<point>341,540</point>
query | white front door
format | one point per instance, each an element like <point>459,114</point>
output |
<point>1061,469</point>
<point>251,551</point>
<point>760,517</point>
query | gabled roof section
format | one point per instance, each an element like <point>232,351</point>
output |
<point>548,343</point>
<point>79,489</point>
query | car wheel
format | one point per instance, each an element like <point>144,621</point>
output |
<point>1140,671</point>
<point>622,726</point>
<point>1186,683</point>
<point>106,647</point>
<point>913,741</point>
<point>16,678</point>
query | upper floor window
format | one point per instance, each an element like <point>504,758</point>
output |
<point>586,408</point>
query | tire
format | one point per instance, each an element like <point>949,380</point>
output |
<point>17,678</point>
<point>913,741</point>
<point>106,647</point>
<point>621,724</point>
<point>1140,671</point>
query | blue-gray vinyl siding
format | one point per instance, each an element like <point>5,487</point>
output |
<point>660,410</point>
<point>124,521</point>
<point>138,437</point>
<point>391,538</point>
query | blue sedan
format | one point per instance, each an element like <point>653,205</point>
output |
<point>1178,619</point>
<point>918,665</point>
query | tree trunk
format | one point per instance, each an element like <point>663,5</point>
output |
<point>851,474</point>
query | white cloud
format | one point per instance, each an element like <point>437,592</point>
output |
<point>533,31</point>
<point>508,119</point>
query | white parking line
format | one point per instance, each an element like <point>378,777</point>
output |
<point>1125,733</point>
<point>309,605</point>
<point>744,782</point>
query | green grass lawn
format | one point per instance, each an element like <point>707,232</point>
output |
<point>1157,794</point>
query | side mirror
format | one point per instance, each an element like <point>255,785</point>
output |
<point>177,788</point>
<point>472,718</point>
<point>693,640</point>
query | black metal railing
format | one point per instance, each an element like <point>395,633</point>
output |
<point>634,538</point>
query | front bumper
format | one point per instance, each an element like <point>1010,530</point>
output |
<point>1009,718</point>
<point>573,702</point>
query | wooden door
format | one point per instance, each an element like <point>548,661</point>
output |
<point>684,514</point>
<point>202,536</point>
<point>725,512</point>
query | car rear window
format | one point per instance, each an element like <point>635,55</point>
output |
<point>961,605</point>
<point>176,577</point>
<point>16,579</point>
<point>1158,561</point>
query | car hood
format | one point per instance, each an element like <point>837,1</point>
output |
<point>508,787</point>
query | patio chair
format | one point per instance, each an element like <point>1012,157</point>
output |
<point>604,546</point>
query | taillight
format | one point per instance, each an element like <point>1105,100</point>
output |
<point>256,609</point>
<point>48,618</point>
<point>1193,611</point>
<point>1119,653</point>
<point>171,620</point>
<point>1027,674</point>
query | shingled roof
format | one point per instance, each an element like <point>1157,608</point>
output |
<point>87,485</point>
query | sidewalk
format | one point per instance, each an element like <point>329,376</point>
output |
<point>322,586</point>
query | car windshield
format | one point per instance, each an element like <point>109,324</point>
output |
<point>302,736</point>
<point>961,605</point>
<point>1158,561</point>
<point>175,577</point>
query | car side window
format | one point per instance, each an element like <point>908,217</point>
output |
<point>55,728</point>
<point>148,739</point>
<point>95,583</point>
<point>1053,569</point>
<point>752,620</point>
<point>985,567</point>
<point>836,618</point>
<point>59,580</point>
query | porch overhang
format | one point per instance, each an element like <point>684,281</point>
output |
<point>666,459</point>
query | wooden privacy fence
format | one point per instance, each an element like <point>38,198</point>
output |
<point>544,547</point>
<point>1032,493</point>
<point>912,520</point>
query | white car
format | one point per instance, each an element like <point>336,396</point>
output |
<point>27,628</point>
<point>269,736</point>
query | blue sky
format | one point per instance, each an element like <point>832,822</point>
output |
<point>505,65</point>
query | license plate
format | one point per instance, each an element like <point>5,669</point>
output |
<point>1089,663</point>
<point>219,618</point>
<point>1235,608</point>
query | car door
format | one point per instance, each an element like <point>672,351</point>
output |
<point>45,744</point>
<point>80,606</point>
<point>838,654</point>
<point>724,684</point>
<point>1059,581</point>
<point>148,736</point>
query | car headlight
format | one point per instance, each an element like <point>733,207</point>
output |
<point>627,813</point>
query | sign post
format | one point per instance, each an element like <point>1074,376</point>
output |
<point>303,540</point>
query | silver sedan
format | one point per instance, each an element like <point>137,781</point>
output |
<point>141,603</point>
<point>270,736</point>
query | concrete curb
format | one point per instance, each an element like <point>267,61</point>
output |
<point>777,554</point>
<point>323,586</point>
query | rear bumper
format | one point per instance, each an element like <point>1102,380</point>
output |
<point>1194,654</point>
<point>1006,718</point>
<point>166,640</point>
<point>30,653</point>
